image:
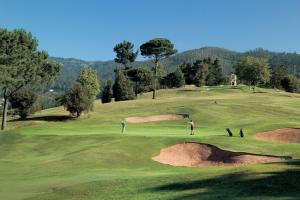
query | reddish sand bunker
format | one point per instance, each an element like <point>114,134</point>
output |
<point>197,155</point>
<point>153,118</point>
<point>288,135</point>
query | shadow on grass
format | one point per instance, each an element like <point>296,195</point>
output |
<point>242,185</point>
<point>51,118</point>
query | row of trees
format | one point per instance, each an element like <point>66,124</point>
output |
<point>253,71</point>
<point>131,81</point>
<point>203,72</point>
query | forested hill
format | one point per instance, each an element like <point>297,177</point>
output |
<point>105,69</point>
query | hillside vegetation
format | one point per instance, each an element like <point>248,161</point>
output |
<point>227,58</point>
<point>50,156</point>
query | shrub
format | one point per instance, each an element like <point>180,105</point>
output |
<point>24,102</point>
<point>290,84</point>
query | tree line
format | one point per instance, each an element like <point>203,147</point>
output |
<point>253,72</point>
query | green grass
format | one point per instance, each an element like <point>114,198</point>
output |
<point>48,157</point>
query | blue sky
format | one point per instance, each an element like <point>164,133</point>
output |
<point>89,29</point>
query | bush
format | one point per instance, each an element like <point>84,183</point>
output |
<point>24,102</point>
<point>290,84</point>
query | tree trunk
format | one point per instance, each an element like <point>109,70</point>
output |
<point>4,114</point>
<point>155,78</point>
<point>136,89</point>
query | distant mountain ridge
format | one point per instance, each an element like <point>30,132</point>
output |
<point>105,69</point>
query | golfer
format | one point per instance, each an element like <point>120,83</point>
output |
<point>192,124</point>
<point>123,125</point>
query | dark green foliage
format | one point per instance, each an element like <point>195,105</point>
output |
<point>227,59</point>
<point>22,65</point>
<point>215,75</point>
<point>157,49</point>
<point>141,78</point>
<point>278,73</point>
<point>125,53</point>
<point>189,72</point>
<point>202,67</point>
<point>291,83</point>
<point>77,100</point>
<point>122,88</point>
<point>174,79</point>
<point>252,71</point>
<point>203,72</point>
<point>82,95</point>
<point>24,102</point>
<point>107,93</point>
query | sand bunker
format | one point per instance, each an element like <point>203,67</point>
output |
<point>153,118</point>
<point>288,135</point>
<point>197,155</point>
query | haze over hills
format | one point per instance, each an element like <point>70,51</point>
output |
<point>105,69</point>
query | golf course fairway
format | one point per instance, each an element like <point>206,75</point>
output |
<point>49,156</point>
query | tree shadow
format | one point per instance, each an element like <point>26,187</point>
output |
<point>241,185</point>
<point>259,92</point>
<point>51,118</point>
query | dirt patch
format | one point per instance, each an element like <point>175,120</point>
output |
<point>288,135</point>
<point>198,155</point>
<point>153,118</point>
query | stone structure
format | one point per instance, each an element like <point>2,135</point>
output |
<point>233,80</point>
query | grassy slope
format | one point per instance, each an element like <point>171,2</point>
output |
<point>89,159</point>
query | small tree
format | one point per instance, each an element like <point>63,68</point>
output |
<point>107,93</point>
<point>174,79</point>
<point>24,102</point>
<point>122,88</point>
<point>253,71</point>
<point>77,100</point>
<point>125,53</point>
<point>90,83</point>
<point>157,49</point>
